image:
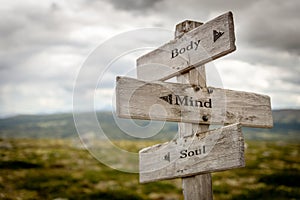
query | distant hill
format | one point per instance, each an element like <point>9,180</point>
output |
<point>286,127</point>
<point>63,126</point>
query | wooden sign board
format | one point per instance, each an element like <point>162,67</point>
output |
<point>184,103</point>
<point>216,150</point>
<point>196,47</point>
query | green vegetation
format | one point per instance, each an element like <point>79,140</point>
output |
<point>53,169</point>
<point>49,169</point>
<point>271,172</point>
<point>40,159</point>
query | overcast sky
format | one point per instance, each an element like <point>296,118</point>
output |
<point>44,44</point>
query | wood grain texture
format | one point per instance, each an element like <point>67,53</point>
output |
<point>141,100</point>
<point>161,64</point>
<point>216,150</point>
<point>198,186</point>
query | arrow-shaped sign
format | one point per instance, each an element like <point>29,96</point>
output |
<point>182,103</point>
<point>196,47</point>
<point>216,150</point>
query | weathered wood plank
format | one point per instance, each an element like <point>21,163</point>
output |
<point>185,103</point>
<point>216,150</point>
<point>196,47</point>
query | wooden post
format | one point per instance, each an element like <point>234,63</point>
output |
<point>195,187</point>
<point>162,161</point>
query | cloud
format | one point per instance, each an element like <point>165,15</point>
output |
<point>31,98</point>
<point>44,45</point>
<point>132,5</point>
<point>276,27</point>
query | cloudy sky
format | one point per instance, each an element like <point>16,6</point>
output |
<point>45,44</point>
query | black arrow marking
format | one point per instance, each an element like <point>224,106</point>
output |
<point>217,35</point>
<point>167,157</point>
<point>167,98</point>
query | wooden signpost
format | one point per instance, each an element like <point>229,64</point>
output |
<point>196,152</point>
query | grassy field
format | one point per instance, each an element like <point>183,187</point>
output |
<point>56,169</point>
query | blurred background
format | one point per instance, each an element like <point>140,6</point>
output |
<point>45,44</point>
